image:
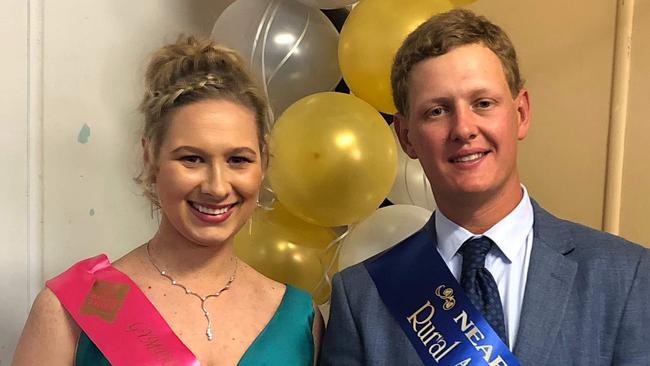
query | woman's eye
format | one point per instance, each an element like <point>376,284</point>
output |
<point>239,160</point>
<point>191,159</point>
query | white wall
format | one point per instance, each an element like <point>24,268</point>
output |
<point>14,216</point>
<point>93,56</point>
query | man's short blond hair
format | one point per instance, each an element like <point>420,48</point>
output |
<point>442,33</point>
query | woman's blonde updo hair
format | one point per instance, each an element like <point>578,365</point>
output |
<point>185,72</point>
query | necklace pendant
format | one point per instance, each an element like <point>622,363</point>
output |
<point>164,273</point>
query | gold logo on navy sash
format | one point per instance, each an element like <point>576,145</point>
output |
<point>104,299</point>
<point>422,323</point>
<point>446,294</point>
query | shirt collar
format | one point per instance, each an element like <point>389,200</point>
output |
<point>509,234</point>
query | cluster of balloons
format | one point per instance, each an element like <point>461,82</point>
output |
<point>334,159</point>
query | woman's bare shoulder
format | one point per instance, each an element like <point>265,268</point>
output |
<point>132,261</point>
<point>49,336</point>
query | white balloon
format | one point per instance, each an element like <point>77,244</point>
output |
<point>411,186</point>
<point>328,4</point>
<point>291,49</point>
<point>381,230</point>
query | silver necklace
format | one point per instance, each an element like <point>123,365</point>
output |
<point>164,273</point>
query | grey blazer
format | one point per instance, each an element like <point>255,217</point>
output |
<point>587,302</point>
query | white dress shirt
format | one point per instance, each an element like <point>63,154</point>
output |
<point>507,262</point>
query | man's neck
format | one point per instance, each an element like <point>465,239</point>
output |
<point>477,213</point>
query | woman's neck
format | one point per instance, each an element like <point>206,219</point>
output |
<point>172,252</point>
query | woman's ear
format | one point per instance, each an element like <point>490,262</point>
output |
<point>147,157</point>
<point>145,150</point>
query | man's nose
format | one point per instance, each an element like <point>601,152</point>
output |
<point>463,125</point>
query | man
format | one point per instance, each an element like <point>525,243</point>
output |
<point>492,279</point>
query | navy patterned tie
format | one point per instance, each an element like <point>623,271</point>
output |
<point>479,285</point>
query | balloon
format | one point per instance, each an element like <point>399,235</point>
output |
<point>384,228</point>
<point>411,186</point>
<point>328,4</point>
<point>333,159</point>
<point>458,3</point>
<point>291,48</point>
<point>287,249</point>
<point>369,40</point>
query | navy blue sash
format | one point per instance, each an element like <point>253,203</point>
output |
<point>428,303</point>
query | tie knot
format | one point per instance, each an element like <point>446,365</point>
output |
<point>474,252</point>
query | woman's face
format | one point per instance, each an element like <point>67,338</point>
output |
<point>209,170</point>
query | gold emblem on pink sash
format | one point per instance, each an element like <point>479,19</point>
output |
<point>104,299</point>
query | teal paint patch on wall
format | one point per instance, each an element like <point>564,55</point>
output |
<point>84,134</point>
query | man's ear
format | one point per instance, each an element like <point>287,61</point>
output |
<point>401,126</point>
<point>523,114</point>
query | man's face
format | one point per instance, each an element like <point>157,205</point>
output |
<point>463,124</point>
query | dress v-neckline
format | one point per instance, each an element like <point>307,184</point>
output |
<point>263,331</point>
<point>255,340</point>
<point>266,327</point>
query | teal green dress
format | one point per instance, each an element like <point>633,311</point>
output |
<point>286,340</point>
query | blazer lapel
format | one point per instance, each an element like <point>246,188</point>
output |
<point>550,279</point>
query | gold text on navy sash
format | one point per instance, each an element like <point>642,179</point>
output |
<point>422,322</point>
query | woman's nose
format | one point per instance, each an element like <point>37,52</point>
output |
<point>215,182</point>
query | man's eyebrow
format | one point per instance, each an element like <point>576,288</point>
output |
<point>480,91</point>
<point>436,100</point>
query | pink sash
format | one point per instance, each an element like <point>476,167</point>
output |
<point>117,316</point>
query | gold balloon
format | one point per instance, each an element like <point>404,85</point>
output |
<point>370,37</point>
<point>333,159</point>
<point>458,3</point>
<point>288,250</point>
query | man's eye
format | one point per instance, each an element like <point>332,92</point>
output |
<point>482,104</point>
<point>435,112</point>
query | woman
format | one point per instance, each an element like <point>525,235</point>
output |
<point>183,297</point>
